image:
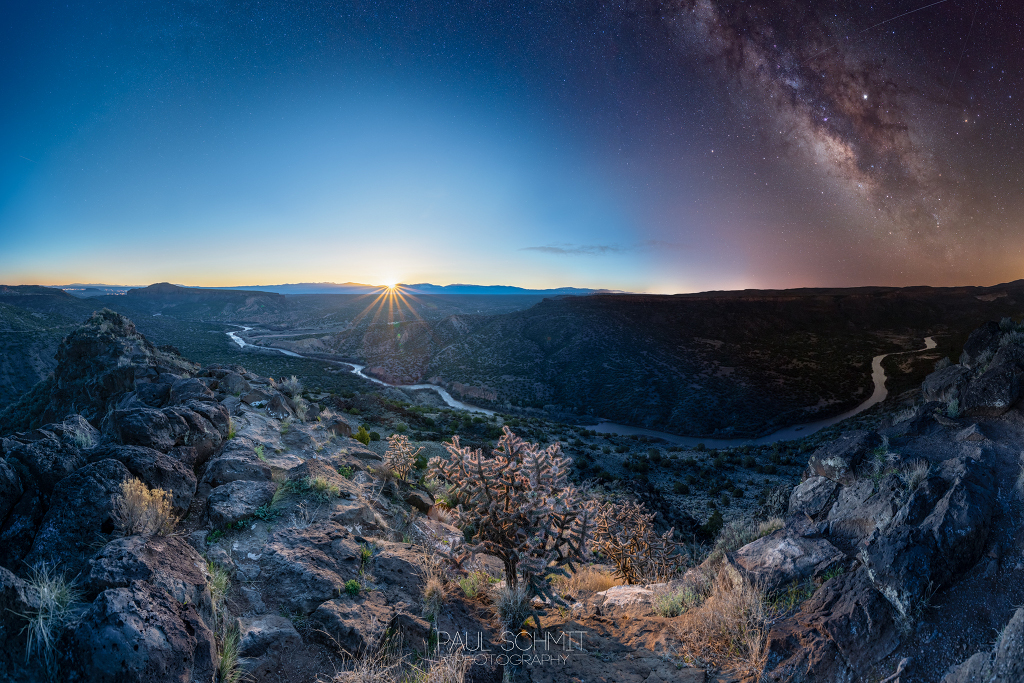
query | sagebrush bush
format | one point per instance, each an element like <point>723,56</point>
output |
<point>291,386</point>
<point>520,506</point>
<point>625,535</point>
<point>139,509</point>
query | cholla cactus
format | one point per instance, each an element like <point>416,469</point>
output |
<point>400,457</point>
<point>519,507</point>
<point>625,535</point>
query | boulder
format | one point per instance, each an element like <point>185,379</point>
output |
<point>79,516</point>
<point>945,384</point>
<point>1004,664</point>
<point>156,470</point>
<point>167,562</point>
<point>338,427</point>
<point>153,394</point>
<point>355,624</point>
<point>971,433</point>
<point>309,566</point>
<point>265,641</point>
<point>984,341</point>
<point>994,392</point>
<point>19,529</point>
<point>632,600</point>
<point>813,496</point>
<point>41,457</point>
<point>962,518</point>
<point>10,489</point>
<point>899,566</point>
<point>141,633</point>
<point>921,501</point>
<point>237,461</point>
<point>839,634</point>
<point>837,459</point>
<point>420,500</point>
<point>860,510</point>
<point>781,558</point>
<point>238,500</point>
<point>188,389</point>
<point>147,427</point>
<point>257,398</point>
<point>278,407</point>
<point>234,384</point>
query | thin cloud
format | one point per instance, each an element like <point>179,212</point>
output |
<point>564,249</point>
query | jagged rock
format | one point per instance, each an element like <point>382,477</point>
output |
<point>309,566</point>
<point>813,496</point>
<point>190,388</point>
<point>993,393</point>
<point>237,461</point>
<point>257,398</point>
<point>278,407</point>
<point>837,460</point>
<point>1004,664</point>
<point>156,470</point>
<point>839,634</point>
<point>860,510</point>
<point>921,502</point>
<point>238,500</point>
<point>153,394</point>
<point>10,489</point>
<point>945,384</point>
<point>79,515</point>
<point>971,433</point>
<point>234,384</point>
<point>19,529</point>
<point>353,623</point>
<point>100,361</point>
<point>338,427</point>
<point>962,518</point>
<point>352,514</point>
<point>167,562</point>
<point>899,565</point>
<point>781,558</point>
<point>41,458</point>
<point>983,341</point>
<point>420,500</point>
<point>265,641</point>
<point>141,633</point>
<point>203,428</point>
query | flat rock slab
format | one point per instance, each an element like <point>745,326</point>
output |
<point>626,599</point>
<point>780,558</point>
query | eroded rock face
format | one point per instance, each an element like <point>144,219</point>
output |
<point>837,460</point>
<point>839,633</point>
<point>860,510</point>
<point>1004,664</point>
<point>945,384</point>
<point>813,496</point>
<point>238,500</point>
<point>994,392</point>
<point>354,623</point>
<point>237,461</point>
<point>309,566</point>
<point>140,633</point>
<point>80,514</point>
<point>983,341</point>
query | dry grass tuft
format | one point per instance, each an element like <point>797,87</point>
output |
<point>139,509</point>
<point>587,579</point>
<point>291,386</point>
<point>915,472</point>
<point>728,626</point>
<point>56,595</point>
<point>512,605</point>
<point>432,572</point>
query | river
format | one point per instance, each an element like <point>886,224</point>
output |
<point>606,427</point>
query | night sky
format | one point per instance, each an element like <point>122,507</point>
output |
<point>643,146</point>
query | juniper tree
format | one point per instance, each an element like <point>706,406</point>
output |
<point>518,505</point>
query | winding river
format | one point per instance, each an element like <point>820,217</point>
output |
<point>606,427</point>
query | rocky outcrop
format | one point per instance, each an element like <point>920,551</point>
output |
<point>169,563</point>
<point>782,558</point>
<point>239,500</point>
<point>156,470</point>
<point>1004,664</point>
<point>140,633</point>
<point>813,496</point>
<point>836,461</point>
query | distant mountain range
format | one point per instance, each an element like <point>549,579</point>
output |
<point>87,290</point>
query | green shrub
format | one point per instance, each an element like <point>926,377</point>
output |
<point>352,587</point>
<point>346,471</point>
<point>362,436</point>
<point>261,452</point>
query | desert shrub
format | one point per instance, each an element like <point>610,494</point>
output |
<point>512,605</point>
<point>139,509</point>
<point>672,603</point>
<point>737,534</point>
<point>56,594</point>
<point>232,430</point>
<point>400,457</point>
<point>432,573</point>
<point>913,473</point>
<point>352,587</point>
<point>81,435</point>
<point>322,489</point>
<point>953,408</point>
<point>346,471</point>
<point>680,488</point>
<point>521,505</point>
<point>727,626</point>
<point>589,578</point>
<point>475,584</point>
<point>261,452</point>
<point>362,436</point>
<point>291,386</point>
<point>625,535</point>
<point>301,408</point>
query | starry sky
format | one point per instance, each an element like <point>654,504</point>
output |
<point>643,146</point>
